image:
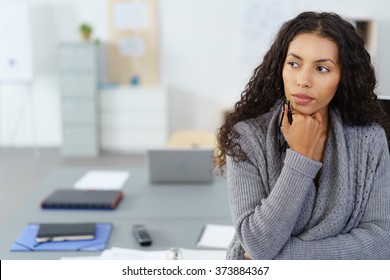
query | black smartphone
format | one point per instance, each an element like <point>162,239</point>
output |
<point>141,235</point>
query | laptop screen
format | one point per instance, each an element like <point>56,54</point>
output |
<point>180,165</point>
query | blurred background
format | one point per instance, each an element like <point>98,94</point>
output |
<point>185,62</point>
<point>96,83</point>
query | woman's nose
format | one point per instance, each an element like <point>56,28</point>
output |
<point>304,79</point>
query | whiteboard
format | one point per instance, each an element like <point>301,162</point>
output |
<point>16,63</point>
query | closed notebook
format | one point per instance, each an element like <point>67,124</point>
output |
<point>26,241</point>
<point>82,199</point>
<point>65,231</point>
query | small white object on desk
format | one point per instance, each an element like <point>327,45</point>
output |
<point>216,236</point>
<point>174,253</point>
<point>102,180</point>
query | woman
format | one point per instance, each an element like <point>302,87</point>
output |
<point>309,179</point>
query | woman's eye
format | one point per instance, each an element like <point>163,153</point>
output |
<point>322,69</point>
<point>293,64</point>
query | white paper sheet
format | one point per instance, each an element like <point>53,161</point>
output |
<point>216,236</point>
<point>116,253</point>
<point>131,15</point>
<point>102,180</point>
<point>131,46</point>
<point>261,19</point>
<point>80,258</point>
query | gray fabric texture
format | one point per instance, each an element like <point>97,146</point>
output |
<point>278,210</point>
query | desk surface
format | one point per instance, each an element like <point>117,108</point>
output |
<point>174,214</point>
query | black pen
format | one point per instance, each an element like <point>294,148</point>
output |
<point>289,113</point>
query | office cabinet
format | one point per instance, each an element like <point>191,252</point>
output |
<point>133,119</point>
<point>78,84</point>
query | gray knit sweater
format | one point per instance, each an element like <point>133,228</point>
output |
<point>278,211</point>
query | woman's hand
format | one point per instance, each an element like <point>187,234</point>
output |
<point>306,135</point>
<point>247,256</point>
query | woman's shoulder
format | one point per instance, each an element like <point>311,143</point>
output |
<point>370,135</point>
<point>371,130</point>
<point>252,134</point>
<point>258,125</point>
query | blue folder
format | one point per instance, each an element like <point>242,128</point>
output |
<point>27,241</point>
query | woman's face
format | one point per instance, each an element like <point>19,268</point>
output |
<point>311,73</point>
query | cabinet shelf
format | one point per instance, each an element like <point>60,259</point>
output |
<point>133,119</point>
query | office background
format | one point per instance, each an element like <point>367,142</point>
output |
<point>201,60</point>
<point>202,64</point>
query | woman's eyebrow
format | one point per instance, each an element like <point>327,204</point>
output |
<point>317,61</point>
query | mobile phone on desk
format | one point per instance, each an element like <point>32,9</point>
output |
<point>141,235</point>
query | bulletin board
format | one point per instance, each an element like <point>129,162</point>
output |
<point>133,42</point>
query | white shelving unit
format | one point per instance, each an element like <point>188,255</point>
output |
<point>133,119</point>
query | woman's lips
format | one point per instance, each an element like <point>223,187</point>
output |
<point>302,99</point>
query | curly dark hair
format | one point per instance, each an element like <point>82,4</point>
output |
<point>355,97</point>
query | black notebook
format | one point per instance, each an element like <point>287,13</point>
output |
<point>82,199</point>
<point>65,232</point>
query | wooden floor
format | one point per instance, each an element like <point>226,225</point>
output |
<point>23,169</point>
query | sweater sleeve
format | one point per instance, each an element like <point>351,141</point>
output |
<point>369,240</point>
<point>264,224</point>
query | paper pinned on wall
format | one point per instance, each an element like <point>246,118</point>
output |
<point>261,20</point>
<point>131,46</point>
<point>132,16</point>
<point>102,180</point>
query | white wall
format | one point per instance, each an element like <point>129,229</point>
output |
<point>200,56</point>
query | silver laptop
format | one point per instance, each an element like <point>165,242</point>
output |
<point>180,165</point>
